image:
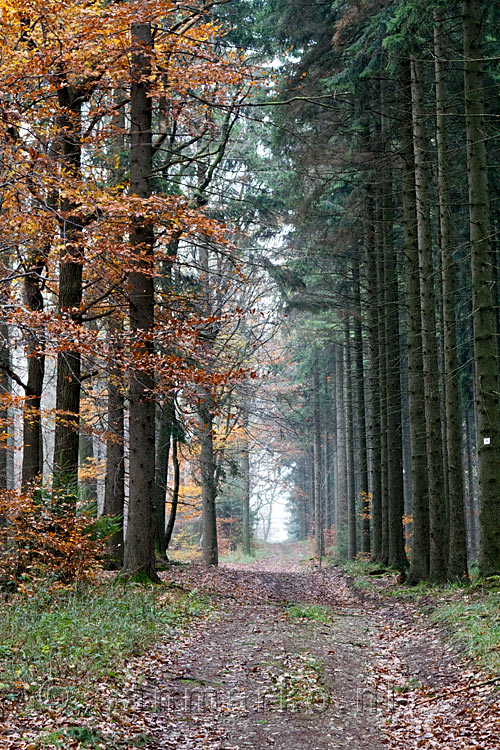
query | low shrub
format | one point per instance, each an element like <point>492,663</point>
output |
<point>43,536</point>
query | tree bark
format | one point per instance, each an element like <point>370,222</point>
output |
<point>114,486</point>
<point>485,350</point>
<point>163,441</point>
<point>352,544</point>
<point>88,486</point>
<point>469,427</point>
<point>341,510</point>
<point>457,551</point>
<point>361,413</point>
<point>174,503</point>
<point>419,568</point>
<point>437,501</point>
<point>66,438</point>
<point>208,486</point>
<point>5,390</point>
<point>245,477</point>
<point>395,492</point>
<point>328,464</point>
<point>319,544</point>
<point>32,467</point>
<point>373,346</point>
<point>382,383</point>
<point>139,558</point>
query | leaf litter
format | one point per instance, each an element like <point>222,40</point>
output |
<point>251,675</point>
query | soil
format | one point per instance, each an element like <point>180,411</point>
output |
<point>293,658</point>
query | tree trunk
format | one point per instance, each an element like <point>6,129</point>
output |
<point>88,485</point>
<point>319,545</point>
<point>208,486</point>
<point>395,492</point>
<point>328,468</point>
<point>382,382</point>
<point>419,568</point>
<point>373,345</point>
<point>245,476</point>
<point>437,502</point>
<point>32,467</point>
<point>469,427</point>
<point>341,454</point>
<point>175,493</point>
<point>164,437</point>
<point>5,389</point>
<point>361,415</point>
<point>303,500</point>
<point>114,487</point>
<point>457,553</point>
<point>485,349</point>
<point>66,438</point>
<point>139,558</point>
<point>352,545</point>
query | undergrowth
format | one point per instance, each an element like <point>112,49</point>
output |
<point>469,613</point>
<point>473,621</point>
<point>55,645</point>
<point>308,612</point>
<point>260,550</point>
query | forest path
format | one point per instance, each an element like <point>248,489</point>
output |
<point>286,663</point>
<point>295,657</point>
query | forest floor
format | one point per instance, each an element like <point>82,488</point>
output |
<point>290,656</point>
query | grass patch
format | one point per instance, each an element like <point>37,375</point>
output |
<point>309,612</point>
<point>86,738</point>
<point>358,568</point>
<point>474,624</point>
<point>381,580</point>
<point>54,646</point>
<point>260,551</point>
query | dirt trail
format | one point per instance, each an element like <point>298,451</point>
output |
<point>272,669</point>
<point>295,657</point>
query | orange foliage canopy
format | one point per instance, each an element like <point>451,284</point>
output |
<point>65,70</point>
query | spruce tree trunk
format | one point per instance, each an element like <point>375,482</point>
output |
<point>395,491</point>
<point>361,414</point>
<point>485,349</point>
<point>333,424</point>
<point>382,382</point>
<point>373,345</point>
<point>139,558</point>
<point>457,552</point>
<point>437,501</point>
<point>66,438</point>
<point>328,469</point>
<point>319,544</point>
<point>419,568</point>
<point>352,546</point>
<point>469,427</point>
<point>341,453</point>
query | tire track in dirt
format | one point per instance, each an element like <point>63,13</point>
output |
<point>257,677</point>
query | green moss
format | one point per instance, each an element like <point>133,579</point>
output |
<point>308,612</point>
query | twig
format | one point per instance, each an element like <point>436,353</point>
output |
<point>460,690</point>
